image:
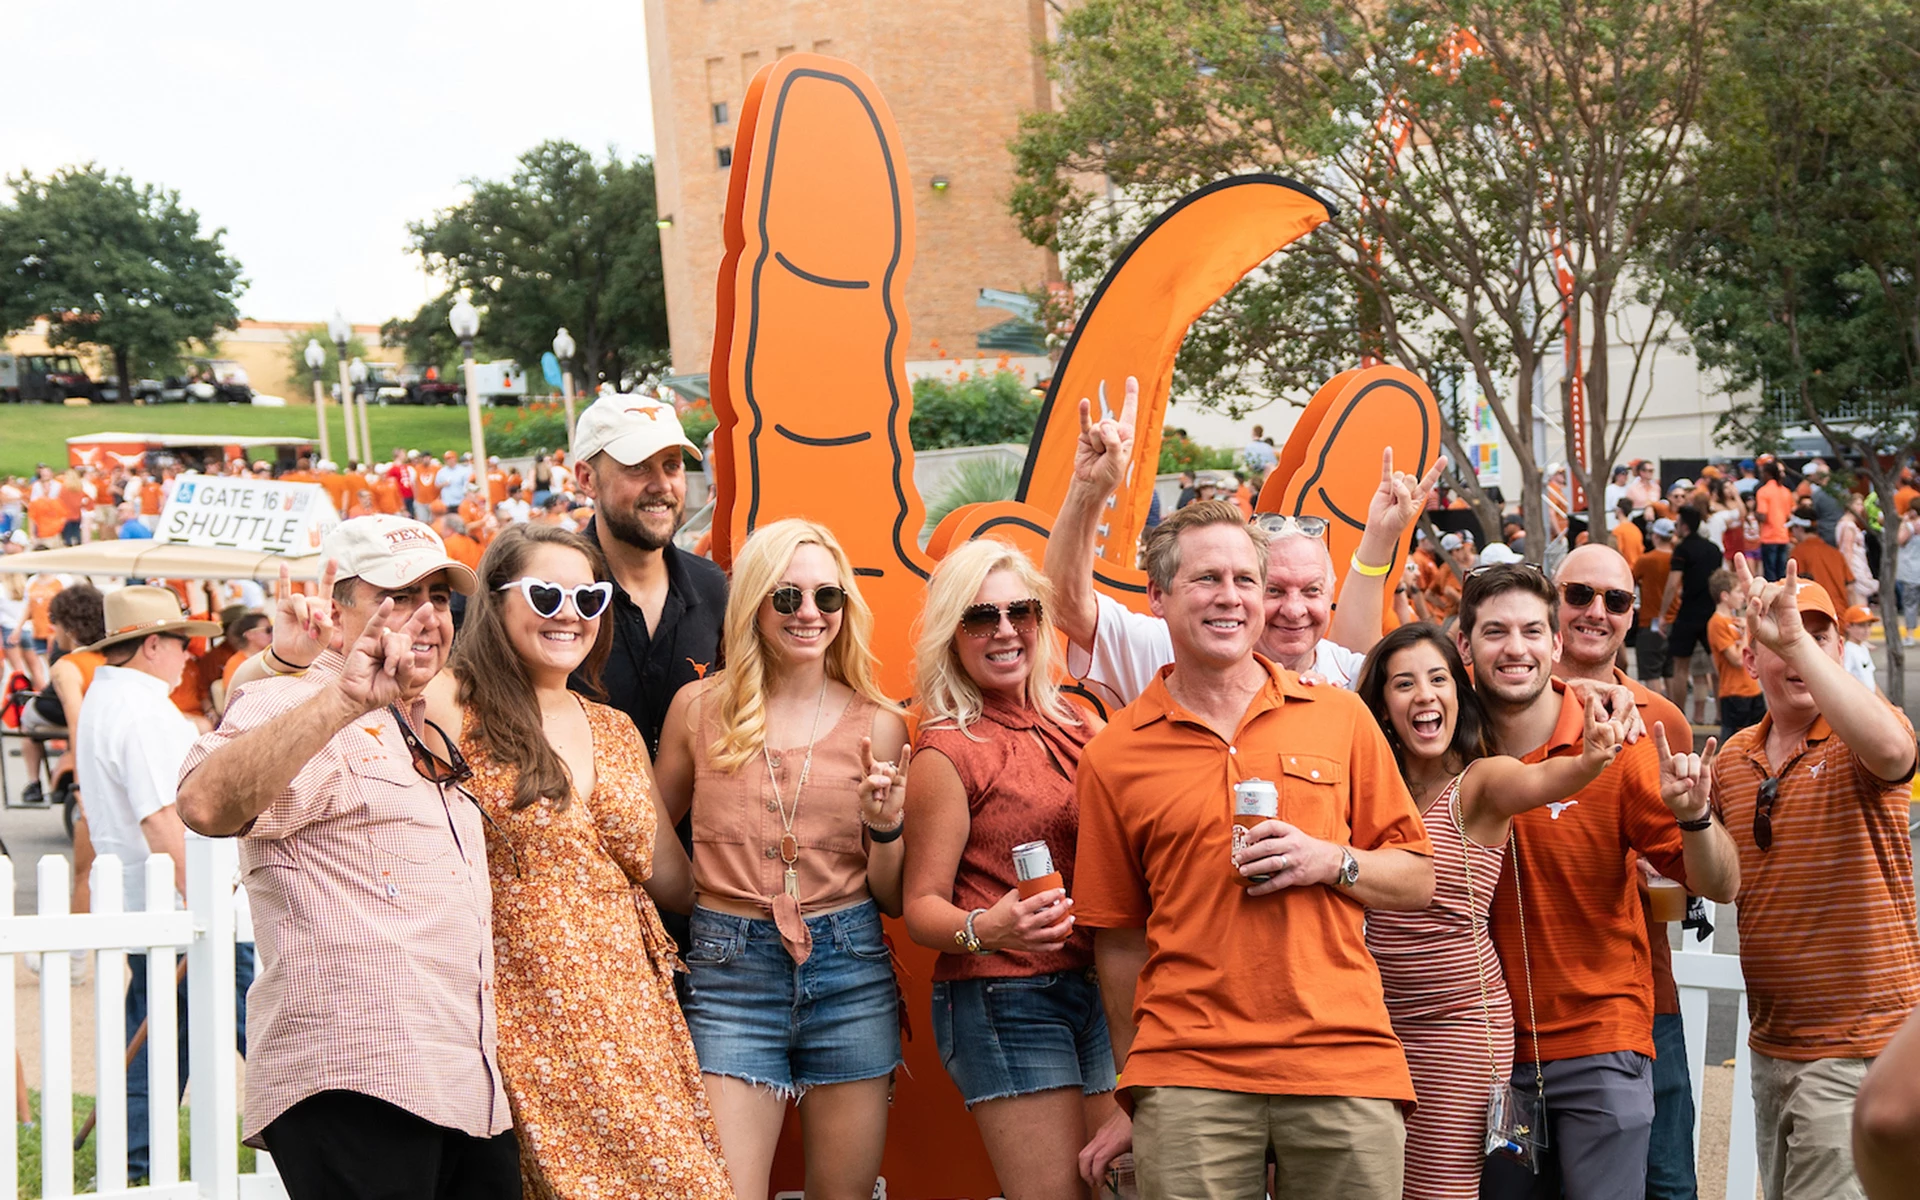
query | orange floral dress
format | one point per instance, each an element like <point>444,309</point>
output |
<point>597,1062</point>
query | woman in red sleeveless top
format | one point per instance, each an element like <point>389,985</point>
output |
<point>1016,1010</point>
<point>1444,987</point>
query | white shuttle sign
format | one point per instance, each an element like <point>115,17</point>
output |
<point>247,514</point>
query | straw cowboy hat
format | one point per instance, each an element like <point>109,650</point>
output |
<point>136,612</point>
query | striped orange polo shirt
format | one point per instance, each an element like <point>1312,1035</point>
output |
<point>1827,939</point>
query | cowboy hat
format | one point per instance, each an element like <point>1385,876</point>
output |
<point>137,612</point>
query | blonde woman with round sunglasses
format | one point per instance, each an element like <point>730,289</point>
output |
<point>797,852</point>
<point>1016,1012</point>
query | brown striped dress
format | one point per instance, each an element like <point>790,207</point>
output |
<point>1434,964</point>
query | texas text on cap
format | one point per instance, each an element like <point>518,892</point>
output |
<point>631,429</point>
<point>393,552</point>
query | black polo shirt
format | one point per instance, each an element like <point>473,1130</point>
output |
<point>647,667</point>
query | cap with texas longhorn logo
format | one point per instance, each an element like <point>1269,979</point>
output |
<point>393,552</point>
<point>631,429</point>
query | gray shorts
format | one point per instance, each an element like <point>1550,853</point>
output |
<point>1599,1123</point>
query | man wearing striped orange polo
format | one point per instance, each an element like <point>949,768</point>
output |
<point>1816,798</point>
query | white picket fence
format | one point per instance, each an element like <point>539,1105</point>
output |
<point>1697,970</point>
<point>205,931</point>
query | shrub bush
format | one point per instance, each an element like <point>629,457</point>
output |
<point>978,411</point>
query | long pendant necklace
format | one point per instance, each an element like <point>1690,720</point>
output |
<point>789,844</point>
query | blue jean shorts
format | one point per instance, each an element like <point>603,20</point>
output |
<point>756,1016</point>
<point>1008,1037</point>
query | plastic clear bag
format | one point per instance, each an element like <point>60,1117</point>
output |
<point>1516,1128</point>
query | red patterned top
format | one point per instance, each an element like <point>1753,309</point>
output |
<point>1018,768</point>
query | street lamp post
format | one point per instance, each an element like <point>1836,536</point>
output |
<point>340,331</point>
<point>316,359</point>
<point>563,349</point>
<point>357,371</point>
<point>466,324</point>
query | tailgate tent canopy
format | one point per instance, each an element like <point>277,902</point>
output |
<point>139,558</point>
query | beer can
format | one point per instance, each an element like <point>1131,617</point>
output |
<point>1256,798</point>
<point>1031,860</point>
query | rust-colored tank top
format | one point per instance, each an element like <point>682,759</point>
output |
<point>736,819</point>
<point>1018,768</point>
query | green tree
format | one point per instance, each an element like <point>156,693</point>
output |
<point>1796,261</point>
<point>329,375</point>
<point>983,410</point>
<point>1466,143</point>
<point>113,264</point>
<point>565,241</point>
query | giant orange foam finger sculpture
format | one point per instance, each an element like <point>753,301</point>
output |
<point>809,374</point>
<point>1337,445</point>
<point>1171,273</point>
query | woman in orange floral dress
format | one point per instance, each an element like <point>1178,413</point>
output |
<point>606,1092</point>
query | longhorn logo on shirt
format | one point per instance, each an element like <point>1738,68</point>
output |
<point>1814,770</point>
<point>699,668</point>
<point>373,731</point>
<point>1560,806</point>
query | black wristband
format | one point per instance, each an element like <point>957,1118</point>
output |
<point>881,837</point>
<point>1700,826</point>
<point>283,662</point>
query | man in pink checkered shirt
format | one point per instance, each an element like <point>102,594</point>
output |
<point>372,1068</point>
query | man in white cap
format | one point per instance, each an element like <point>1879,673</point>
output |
<point>129,744</point>
<point>668,605</point>
<point>373,1067</point>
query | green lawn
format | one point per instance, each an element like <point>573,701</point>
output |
<point>35,433</point>
<point>83,1161</point>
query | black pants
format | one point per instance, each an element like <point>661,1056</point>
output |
<point>349,1146</point>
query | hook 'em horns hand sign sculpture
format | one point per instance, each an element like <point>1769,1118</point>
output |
<point>809,384</point>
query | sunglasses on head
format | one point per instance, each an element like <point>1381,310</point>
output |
<point>1483,568</point>
<point>1619,601</point>
<point>1282,524</point>
<point>983,620</point>
<point>545,599</point>
<point>828,598</point>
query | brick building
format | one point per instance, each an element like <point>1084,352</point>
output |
<point>957,74</point>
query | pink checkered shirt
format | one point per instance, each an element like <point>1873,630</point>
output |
<point>373,923</point>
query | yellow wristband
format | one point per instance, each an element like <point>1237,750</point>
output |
<point>1364,569</point>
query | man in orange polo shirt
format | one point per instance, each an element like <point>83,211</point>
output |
<point>1817,797</point>
<point>1581,981</point>
<point>1595,589</point>
<point>1244,1018</point>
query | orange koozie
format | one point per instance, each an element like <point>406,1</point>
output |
<point>1029,888</point>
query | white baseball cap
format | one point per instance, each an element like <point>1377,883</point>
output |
<point>631,429</point>
<point>393,552</point>
<point>1499,555</point>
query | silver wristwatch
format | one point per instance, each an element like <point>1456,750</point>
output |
<point>1349,869</point>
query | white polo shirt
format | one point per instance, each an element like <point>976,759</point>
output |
<point>128,752</point>
<point>1129,648</point>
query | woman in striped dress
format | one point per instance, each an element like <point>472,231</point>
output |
<point>1443,984</point>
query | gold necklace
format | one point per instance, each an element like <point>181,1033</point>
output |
<point>789,844</point>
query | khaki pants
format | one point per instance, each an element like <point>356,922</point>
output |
<point>1804,1117</point>
<point>1198,1144</point>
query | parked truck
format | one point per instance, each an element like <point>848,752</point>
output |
<point>54,378</point>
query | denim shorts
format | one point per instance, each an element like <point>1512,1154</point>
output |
<point>756,1016</point>
<point>1032,1033</point>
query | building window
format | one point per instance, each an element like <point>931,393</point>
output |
<point>720,113</point>
<point>723,157</point>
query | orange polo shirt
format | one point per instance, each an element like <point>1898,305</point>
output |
<point>1274,995</point>
<point>1724,632</point>
<point>1827,941</point>
<point>1650,571</point>
<point>1586,936</point>
<point>1655,707</point>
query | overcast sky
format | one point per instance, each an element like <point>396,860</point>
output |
<point>313,133</point>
